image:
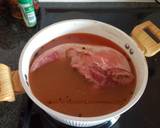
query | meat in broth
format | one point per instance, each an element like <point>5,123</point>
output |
<point>82,75</point>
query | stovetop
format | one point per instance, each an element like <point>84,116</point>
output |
<point>145,114</point>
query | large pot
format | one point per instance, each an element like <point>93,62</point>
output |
<point>84,26</point>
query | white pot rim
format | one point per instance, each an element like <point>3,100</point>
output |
<point>85,119</point>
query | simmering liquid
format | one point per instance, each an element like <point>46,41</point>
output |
<point>62,88</point>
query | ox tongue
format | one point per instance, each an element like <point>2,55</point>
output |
<point>99,64</point>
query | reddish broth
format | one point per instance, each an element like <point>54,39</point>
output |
<point>62,88</point>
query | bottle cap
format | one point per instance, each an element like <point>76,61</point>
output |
<point>24,1</point>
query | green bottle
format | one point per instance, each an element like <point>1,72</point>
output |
<point>28,12</point>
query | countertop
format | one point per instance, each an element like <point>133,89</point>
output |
<point>13,37</point>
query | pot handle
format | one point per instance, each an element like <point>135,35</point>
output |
<point>147,36</point>
<point>9,84</point>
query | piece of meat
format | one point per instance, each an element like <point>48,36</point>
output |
<point>49,55</point>
<point>43,59</point>
<point>102,67</point>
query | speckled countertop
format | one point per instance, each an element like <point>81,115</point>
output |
<point>13,37</point>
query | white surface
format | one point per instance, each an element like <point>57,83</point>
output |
<point>96,1</point>
<point>84,26</point>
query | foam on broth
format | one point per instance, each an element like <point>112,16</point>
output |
<point>62,88</point>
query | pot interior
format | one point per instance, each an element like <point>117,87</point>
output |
<point>85,26</point>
